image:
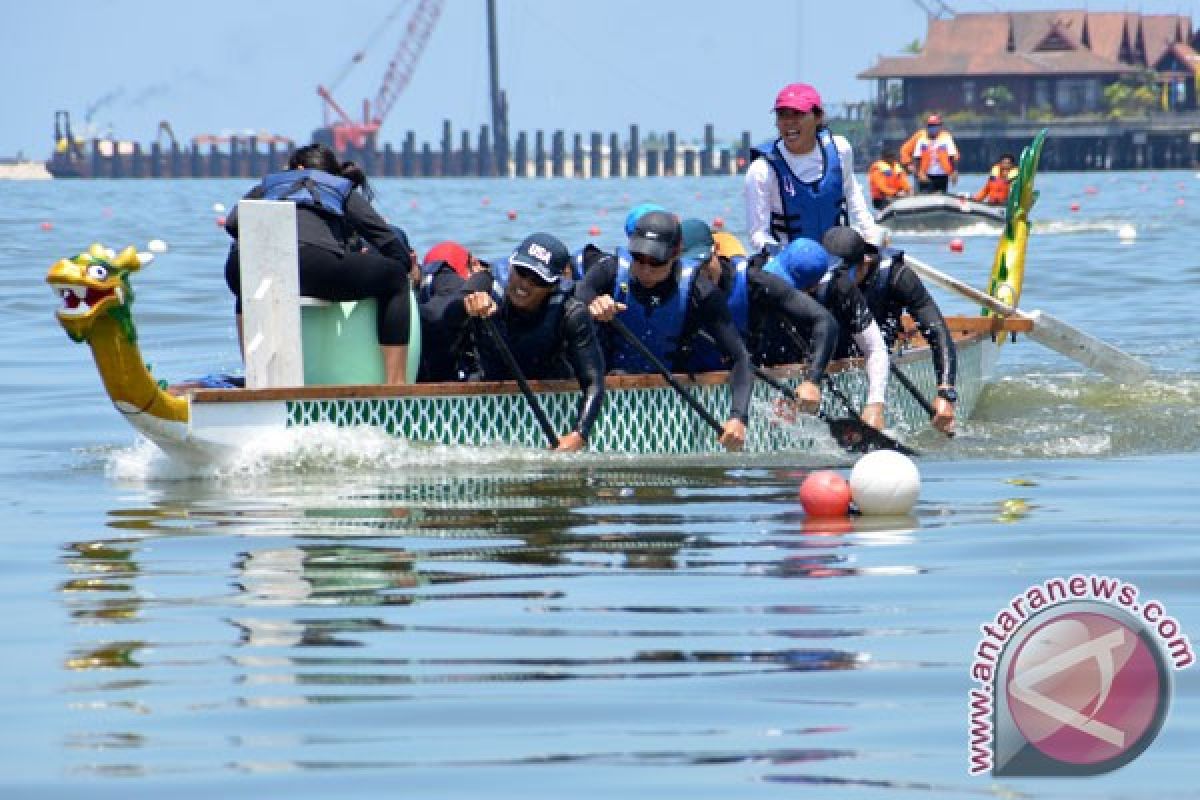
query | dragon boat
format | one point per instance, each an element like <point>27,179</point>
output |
<point>643,415</point>
<point>938,212</point>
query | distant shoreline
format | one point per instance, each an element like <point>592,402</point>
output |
<point>14,170</point>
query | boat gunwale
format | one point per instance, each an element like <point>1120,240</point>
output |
<point>963,329</point>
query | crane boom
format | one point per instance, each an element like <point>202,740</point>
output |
<point>400,70</point>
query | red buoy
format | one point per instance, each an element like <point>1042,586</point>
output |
<point>512,214</point>
<point>486,201</point>
<point>956,245</point>
<point>47,225</point>
<point>718,223</point>
<point>594,230</point>
<point>825,493</point>
<point>220,222</point>
<point>1074,206</point>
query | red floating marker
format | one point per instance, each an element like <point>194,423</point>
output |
<point>825,493</point>
<point>594,230</point>
<point>1179,201</point>
<point>220,222</point>
<point>412,204</point>
<point>512,214</point>
<point>956,245</point>
<point>718,223</point>
<point>1094,190</point>
<point>47,225</point>
<point>1074,206</point>
<point>486,201</point>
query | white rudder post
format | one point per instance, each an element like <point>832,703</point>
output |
<point>269,257</point>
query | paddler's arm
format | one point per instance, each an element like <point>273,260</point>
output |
<point>719,325</point>
<point>365,220</point>
<point>583,351</point>
<point>806,314</point>
<point>932,325</point>
<point>875,355</point>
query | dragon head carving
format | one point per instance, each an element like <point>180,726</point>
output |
<point>93,284</point>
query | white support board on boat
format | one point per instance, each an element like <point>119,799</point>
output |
<point>268,251</point>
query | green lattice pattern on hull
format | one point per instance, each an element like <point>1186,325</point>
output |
<point>635,421</point>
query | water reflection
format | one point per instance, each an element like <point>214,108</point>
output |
<point>284,598</point>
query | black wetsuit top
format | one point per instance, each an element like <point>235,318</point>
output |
<point>447,347</point>
<point>771,295</point>
<point>707,309</point>
<point>555,342</point>
<point>906,292</point>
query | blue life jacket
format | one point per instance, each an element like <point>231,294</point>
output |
<point>539,349</point>
<point>577,265</point>
<point>311,188</point>
<point>707,357</point>
<point>809,209</point>
<point>659,328</point>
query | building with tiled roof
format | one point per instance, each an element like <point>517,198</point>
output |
<point>1048,62</point>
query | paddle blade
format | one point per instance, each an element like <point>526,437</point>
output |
<point>857,436</point>
<point>1087,350</point>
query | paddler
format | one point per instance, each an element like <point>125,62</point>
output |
<point>999,181</point>
<point>807,266</point>
<point>661,303</point>
<point>754,296</point>
<point>887,180</point>
<point>802,183</point>
<point>449,273</point>
<point>548,331</point>
<point>891,289</point>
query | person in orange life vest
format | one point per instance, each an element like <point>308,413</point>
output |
<point>906,152</point>
<point>936,155</point>
<point>887,180</point>
<point>1000,178</point>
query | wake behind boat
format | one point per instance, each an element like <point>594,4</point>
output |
<point>937,212</point>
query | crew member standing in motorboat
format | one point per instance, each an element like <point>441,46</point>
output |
<point>887,180</point>
<point>328,212</point>
<point>891,289</point>
<point>754,297</point>
<point>661,304</point>
<point>802,183</point>
<point>936,157</point>
<point>807,266</point>
<point>550,333</point>
<point>999,181</point>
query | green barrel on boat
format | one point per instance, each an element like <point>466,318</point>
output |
<point>341,346</point>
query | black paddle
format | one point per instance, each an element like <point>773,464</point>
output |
<point>907,383</point>
<point>511,362</point>
<point>661,369</point>
<point>850,433</point>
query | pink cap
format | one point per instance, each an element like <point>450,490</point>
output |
<point>798,97</point>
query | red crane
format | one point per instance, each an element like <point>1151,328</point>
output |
<point>346,132</point>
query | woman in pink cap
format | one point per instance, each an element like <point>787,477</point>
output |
<point>802,183</point>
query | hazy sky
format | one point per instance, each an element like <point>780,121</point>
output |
<point>220,67</point>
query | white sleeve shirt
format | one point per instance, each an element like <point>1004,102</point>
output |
<point>761,191</point>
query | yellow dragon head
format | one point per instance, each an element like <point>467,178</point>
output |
<point>95,283</point>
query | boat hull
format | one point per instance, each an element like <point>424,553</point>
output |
<point>642,415</point>
<point>938,212</point>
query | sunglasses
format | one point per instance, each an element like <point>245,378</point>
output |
<point>531,276</point>
<point>654,263</point>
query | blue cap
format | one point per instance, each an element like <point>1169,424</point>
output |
<point>803,262</point>
<point>635,214</point>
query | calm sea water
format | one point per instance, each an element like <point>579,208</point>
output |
<point>338,617</point>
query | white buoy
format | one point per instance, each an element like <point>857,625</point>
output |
<point>1126,233</point>
<point>885,482</point>
<point>156,246</point>
<point>218,208</point>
